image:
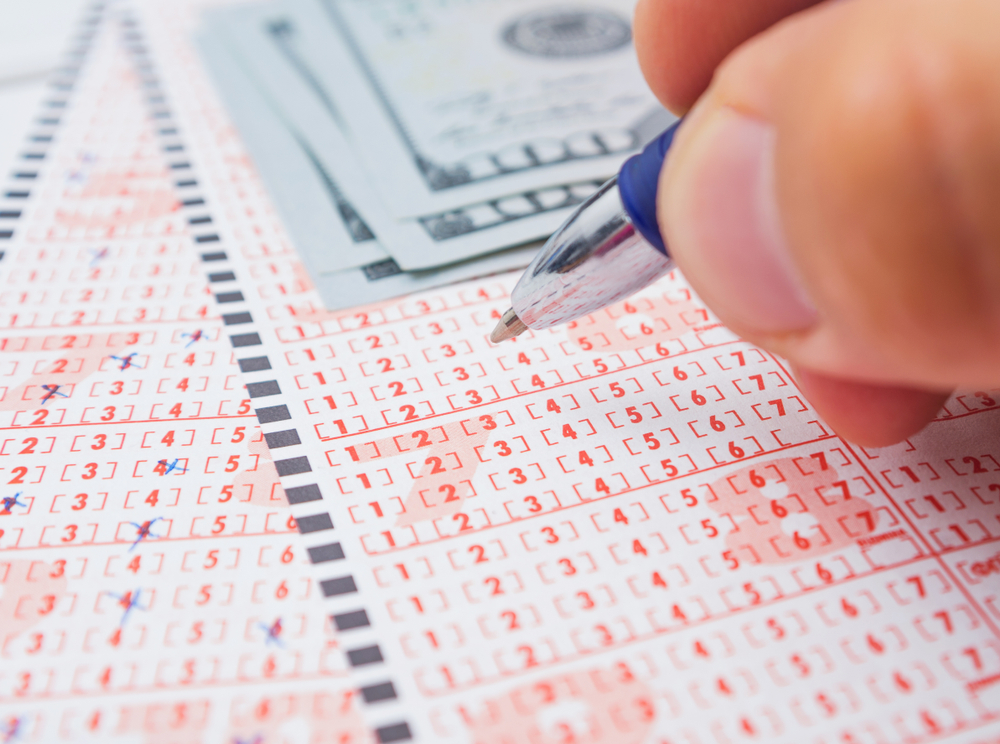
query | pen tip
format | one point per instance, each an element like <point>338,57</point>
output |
<point>509,326</point>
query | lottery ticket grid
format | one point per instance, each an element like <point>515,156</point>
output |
<point>150,586</point>
<point>800,645</point>
<point>374,688</point>
<point>676,550</point>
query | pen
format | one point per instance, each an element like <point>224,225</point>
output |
<point>608,249</point>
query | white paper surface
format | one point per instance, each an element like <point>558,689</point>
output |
<point>631,529</point>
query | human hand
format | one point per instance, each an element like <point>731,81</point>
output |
<point>834,194</point>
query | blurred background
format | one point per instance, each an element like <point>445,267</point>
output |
<point>33,34</point>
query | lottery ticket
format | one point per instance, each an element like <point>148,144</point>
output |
<point>630,529</point>
<point>151,585</point>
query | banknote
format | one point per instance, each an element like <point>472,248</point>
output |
<point>452,102</point>
<point>313,206</point>
<point>345,260</point>
<point>278,46</point>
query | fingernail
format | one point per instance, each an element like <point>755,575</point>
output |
<point>723,215</point>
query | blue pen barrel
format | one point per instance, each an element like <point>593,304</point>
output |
<point>638,182</point>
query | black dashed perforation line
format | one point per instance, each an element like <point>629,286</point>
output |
<point>59,87</point>
<point>362,651</point>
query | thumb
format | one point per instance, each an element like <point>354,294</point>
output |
<point>833,196</point>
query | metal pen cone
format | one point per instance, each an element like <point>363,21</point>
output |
<point>509,326</point>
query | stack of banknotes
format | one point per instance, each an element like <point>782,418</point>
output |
<point>413,143</point>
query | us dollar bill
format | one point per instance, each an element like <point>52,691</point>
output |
<point>346,262</point>
<point>276,45</point>
<point>452,102</point>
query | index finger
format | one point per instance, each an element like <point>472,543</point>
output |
<point>681,42</point>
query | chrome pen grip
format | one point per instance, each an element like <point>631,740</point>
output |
<point>609,249</point>
<point>595,259</point>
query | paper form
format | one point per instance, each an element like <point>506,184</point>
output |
<point>632,529</point>
<point>151,586</point>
